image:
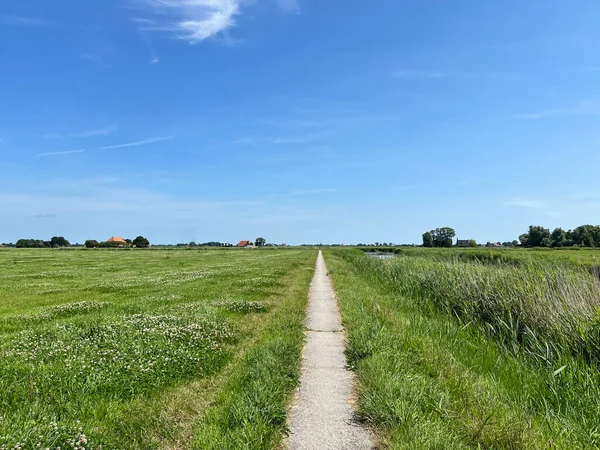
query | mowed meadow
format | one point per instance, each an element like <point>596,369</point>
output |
<point>142,349</point>
<point>469,349</point>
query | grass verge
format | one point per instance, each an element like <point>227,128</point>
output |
<point>429,381</point>
<point>250,412</point>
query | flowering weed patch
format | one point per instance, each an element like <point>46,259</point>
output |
<point>240,306</point>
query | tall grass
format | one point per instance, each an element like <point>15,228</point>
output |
<point>466,354</point>
<point>540,307</point>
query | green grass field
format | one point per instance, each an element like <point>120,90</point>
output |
<point>473,352</point>
<point>200,349</point>
<point>149,349</point>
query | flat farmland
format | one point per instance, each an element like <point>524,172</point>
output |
<point>149,349</point>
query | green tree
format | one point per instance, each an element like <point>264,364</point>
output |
<point>91,243</point>
<point>524,239</point>
<point>427,239</point>
<point>472,243</point>
<point>558,238</point>
<point>31,243</point>
<point>141,242</point>
<point>260,242</point>
<point>443,237</point>
<point>537,236</point>
<point>192,244</point>
<point>59,241</point>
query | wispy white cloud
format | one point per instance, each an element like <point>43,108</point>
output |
<point>197,20</point>
<point>43,216</point>
<point>314,191</point>
<point>293,139</point>
<point>105,131</point>
<point>405,188</point>
<point>95,132</point>
<point>277,140</point>
<point>53,136</point>
<point>589,69</point>
<point>585,107</point>
<point>190,20</point>
<point>289,6</point>
<point>68,152</point>
<point>154,58</point>
<point>97,59</point>
<point>420,74</point>
<point>20,21</point>
<point>533,204</point>
<point>411,74</point>
<point>137,143</point>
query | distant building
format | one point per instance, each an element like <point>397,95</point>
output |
<point>463,243</point>
<point>118,240</point>
<point>244,244</point>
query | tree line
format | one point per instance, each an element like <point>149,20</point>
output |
<point>138,242</point>
<point>56,241</point>
<point>60,241</point>
<point>536,236</point>
<point>582,236</point>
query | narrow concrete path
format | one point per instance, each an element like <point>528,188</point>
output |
<point>322,417</point>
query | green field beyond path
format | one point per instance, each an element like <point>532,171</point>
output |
<point>149,349</point>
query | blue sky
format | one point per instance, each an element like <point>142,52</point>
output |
<point>297,120</point>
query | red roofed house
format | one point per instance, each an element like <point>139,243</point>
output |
<point>118,240</point>
<point>244,244</point>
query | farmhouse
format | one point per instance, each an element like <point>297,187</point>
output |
<point>245,244</point>
<point>463,243</point>
<point>118,240</point>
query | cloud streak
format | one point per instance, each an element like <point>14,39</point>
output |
<point>82,134</point>
<point>20,21</point>
<point>190,20</point>
<point>278,140</point>
<point>289,6</point>
<point>535,205</point>
<point>439,75</point>
<point>97,132</point>
<point>585,107</point>
<point>137,143</point>
<point>532,204</point>
<point>110,147</point>
<point>314,191</point>
<point>68,152</point>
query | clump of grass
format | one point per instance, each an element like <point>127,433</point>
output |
<point>241,306</point>
<point>53,436</point>
<point>53,312</point>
